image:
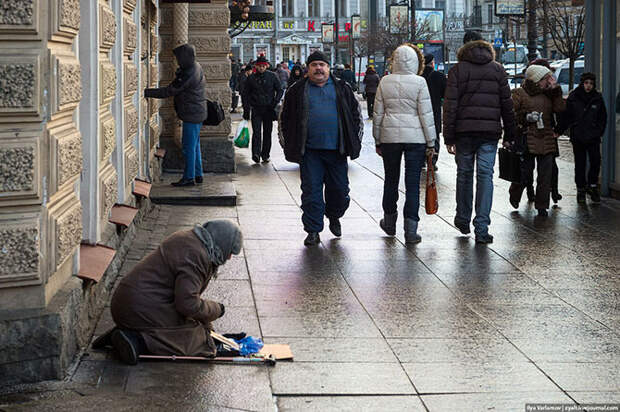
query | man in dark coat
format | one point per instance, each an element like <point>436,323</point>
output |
<point>157,306</point>
<point>348,76</point>
<point>190,104</point>
<point>586,115</point>
<point>371,83</point>
<point>262,93</point>
<point>476,105</point>
<point>320,125</point>
<point>436,82</point>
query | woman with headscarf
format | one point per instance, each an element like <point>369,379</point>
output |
<point>157,307</point>
<point>296,74</point>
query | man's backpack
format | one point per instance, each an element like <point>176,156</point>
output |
<point>215,114</point>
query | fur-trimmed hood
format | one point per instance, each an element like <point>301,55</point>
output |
<point>407,59</point>
<point>477,52</point>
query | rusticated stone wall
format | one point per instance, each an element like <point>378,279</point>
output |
<point>208,24</point>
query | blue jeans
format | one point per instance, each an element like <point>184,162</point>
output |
<point>482,153</point>
<point>191,150</point>
<point>318,168</point>
<point>391,154</point>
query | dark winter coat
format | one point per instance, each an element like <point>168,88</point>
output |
<point>188,87</point>
<point>293,125</point>
<point>294,78</point>
<point>436,82</point>
<point>241,80</point>
<point>371,82</point>
<point>477,98</point>
<point>531,98</point>
<point>586,115</point>
<point>262,91</point>
<point>160,298</point>
<point>349,77</point>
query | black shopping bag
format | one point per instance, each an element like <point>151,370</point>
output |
<point>509,165</point>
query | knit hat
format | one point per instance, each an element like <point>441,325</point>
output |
<point>587,76</point>
<point>536,73</point>
<point>428,58</point>
<point>261,60</point>
<point>317,56</point>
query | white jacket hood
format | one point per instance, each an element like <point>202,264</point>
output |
<point>405,61</point>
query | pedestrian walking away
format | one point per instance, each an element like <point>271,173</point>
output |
<point>586,116</point>
<point>349,77</point>
<point>190,104</point>
<point>320,125</point>
<point>403,124</point>
<point>157,306</point>
<point>535,104</point>
<point>262,92</point>
<point>371,82</point>
<point>436,82</point>
<point>283,74</point>
<point>476,107</point>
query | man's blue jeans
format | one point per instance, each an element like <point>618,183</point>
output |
<point>482,153</point>
<point>392,154</point>
<point>318,168</point>
<point>191,150</point>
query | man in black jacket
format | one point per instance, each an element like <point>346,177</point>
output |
<point>320,125</point>
<point>190,104</point>
<point>349,77</point>
<point>262,92</point>
<point>586,116</point>
<point>436,82</point>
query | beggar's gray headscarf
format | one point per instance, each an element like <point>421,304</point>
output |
<point>221,238</point>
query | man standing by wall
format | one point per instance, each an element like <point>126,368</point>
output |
<point>321,124</point>
<point>436,82</point>
<point>476,104</point>
<point>262,92</point>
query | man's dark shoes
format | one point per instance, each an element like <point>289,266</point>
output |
<point>543,213</point>
<point>104,340</point>
<point>126,346</point>
<point>198,179</point>
<point>484,239</point>
<point>312,239</point>
<point>556,196</point>
<point>581,195</point>
<point>183,182</point>
<point>463,227</point>
<point>514,203</point>
<point>335,227</point>
<point>256,158</point>
<point>265,159</point>
<point>594,194</point>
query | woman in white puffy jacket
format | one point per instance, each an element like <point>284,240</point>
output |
<point>403,124</point>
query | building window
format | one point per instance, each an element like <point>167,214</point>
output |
<point>287,8</point>
<point>490,13</point>
<point>313,8</point>
<point>344,10</point>
<point>440,4</point>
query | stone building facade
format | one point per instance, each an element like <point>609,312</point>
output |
<point>75,133</point>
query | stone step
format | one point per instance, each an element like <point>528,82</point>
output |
<point>216,190</point>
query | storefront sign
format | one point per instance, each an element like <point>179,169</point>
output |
<point>510,7</point>
<point>311,25</point>
<point>327,33</point>
<point>261,25</point>
<point>399,19</point>
<point>288,25</point>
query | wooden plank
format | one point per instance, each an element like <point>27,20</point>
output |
<point>94,260</point>
<point>141,188</point>
<point>225,340</point>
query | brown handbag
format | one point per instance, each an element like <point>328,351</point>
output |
<point>431,202</point>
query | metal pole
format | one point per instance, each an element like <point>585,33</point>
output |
<point>531,30</point>
<point>413,21</point>
<point>337,28</point>
<point>609,95</point>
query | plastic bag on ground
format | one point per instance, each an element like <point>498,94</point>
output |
<point>249,345</point>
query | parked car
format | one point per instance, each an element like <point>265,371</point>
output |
<point>561,74</point>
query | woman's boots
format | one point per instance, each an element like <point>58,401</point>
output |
<point>388,223</point>
<point>411,231</point>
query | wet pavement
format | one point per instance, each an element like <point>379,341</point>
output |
<point>375,324</point>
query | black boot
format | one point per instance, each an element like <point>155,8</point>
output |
<point>555,196</point>
<point>312,239</point>
<point>128,345</point>
<point>581,195</point>
<point>335,227</point>
<point>388,223</point>
<point>183,182</point>
<point>595,195</point>
<point>104,340</point>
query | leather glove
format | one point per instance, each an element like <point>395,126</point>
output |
<point>430,151</point>
<point>222,309</point>
<point>246,115</point>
